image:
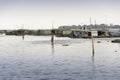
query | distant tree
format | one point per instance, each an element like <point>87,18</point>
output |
<point>97,26</point>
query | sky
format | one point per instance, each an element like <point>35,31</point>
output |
<point>41,14</point>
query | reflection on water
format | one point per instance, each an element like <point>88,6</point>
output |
<point>93,59</point>
<point>119,47</point>
<point>35,58</point>
<point>52,46</point>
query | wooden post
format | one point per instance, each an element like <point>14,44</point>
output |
<point>52,40</point>
<point>92,38</point>
<point>23,32</point>
<point>52,33</point>
<point>93,51</point>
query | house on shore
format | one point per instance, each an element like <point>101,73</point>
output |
<point>114,32</point>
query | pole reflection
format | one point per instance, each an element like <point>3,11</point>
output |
<point>93,60</point>
<point>53,50</point>
<point>52,43</point>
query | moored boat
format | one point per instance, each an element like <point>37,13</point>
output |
<point>116,41</point>
<point>2,34</point>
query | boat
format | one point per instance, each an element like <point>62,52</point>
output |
<point>116,41</point>
<point>2,34</point>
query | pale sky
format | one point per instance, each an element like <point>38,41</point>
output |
<point>37,14</point>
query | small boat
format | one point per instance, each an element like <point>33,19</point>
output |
<point>98,41</point>
<point>65,45</point>
<point>116,41</point>
<point>2,34</point>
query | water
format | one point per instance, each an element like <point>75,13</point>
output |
<point>36,59</point>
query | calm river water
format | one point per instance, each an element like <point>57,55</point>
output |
<point>69,59</point>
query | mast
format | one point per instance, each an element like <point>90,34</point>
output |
<point>106,31</point>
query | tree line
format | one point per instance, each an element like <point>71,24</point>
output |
<point>95,26</point>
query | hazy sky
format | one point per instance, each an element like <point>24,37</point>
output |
<point>41,13</point>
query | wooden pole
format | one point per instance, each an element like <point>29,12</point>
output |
<point>93,51</point>
<point>52,33</point>
<point>92,38</point>
<point>52,41</point>
<point>23,33</point>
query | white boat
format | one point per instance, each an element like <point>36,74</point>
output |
<point>2,34</point>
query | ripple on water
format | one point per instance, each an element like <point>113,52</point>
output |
<point>31,59</point>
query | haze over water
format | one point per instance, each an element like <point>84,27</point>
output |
<point>39,14</point>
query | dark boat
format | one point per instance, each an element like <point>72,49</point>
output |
<point>116,41</point>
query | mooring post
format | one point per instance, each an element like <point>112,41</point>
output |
<point>52,33</point>
<point>52,39</point>
<point>93,51</point>
<point>23,34</point>
<point>92,38</point>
